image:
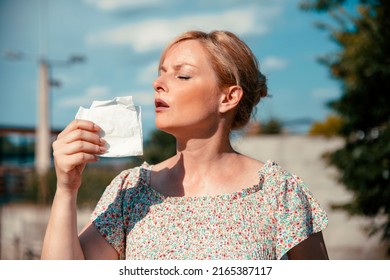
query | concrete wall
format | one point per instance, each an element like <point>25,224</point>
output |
<point>23,228</point>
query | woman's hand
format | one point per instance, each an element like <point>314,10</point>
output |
<point>76,145</point>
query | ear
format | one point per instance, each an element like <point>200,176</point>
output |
<point>230,98</point>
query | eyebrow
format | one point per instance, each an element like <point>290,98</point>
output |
<point>177,66</point>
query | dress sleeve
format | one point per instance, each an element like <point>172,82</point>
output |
<point>107,216</point>
<point>298,214</point>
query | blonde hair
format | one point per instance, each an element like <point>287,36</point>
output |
<point>234,64</point>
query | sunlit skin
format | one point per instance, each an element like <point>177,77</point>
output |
<point>187,84</point>
<point>191,106</point>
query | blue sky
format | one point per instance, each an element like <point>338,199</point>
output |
<point>122,41</point>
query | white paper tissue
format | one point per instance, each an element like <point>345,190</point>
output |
<point>121,125</point>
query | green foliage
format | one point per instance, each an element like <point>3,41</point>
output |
<point>363,67</point>
<point>32,187</point>
<point>272,126</point>
<point>330,127</point>
<point>160,147</point>
<point>366,165</point>
<point>8,148</point>
<point>95,180</point>
<point>321,5</point>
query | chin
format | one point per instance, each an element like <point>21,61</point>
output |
<point>162,127</point>
<point>173,130</point>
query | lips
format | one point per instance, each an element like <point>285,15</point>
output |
<point>160,104</point>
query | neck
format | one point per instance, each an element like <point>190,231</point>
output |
<point>199,166</point>
<point>203,153</point>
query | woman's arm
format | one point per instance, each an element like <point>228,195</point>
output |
<point>61,240</point>
<point>94,246</point>
<point>77,145</point>
<point>313,248</point>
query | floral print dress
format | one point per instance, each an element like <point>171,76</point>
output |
<point>260,222</point>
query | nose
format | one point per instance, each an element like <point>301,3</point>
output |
<point>159,85</point>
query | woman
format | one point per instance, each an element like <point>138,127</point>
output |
<point>205,202</point>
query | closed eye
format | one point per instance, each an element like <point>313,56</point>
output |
<point>181,77</point>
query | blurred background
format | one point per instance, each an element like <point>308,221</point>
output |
<point>327,120</point>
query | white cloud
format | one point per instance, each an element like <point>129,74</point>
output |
<point>104,93</point>
<point>113,5</point>
<point>91,94</point>
<point>148,73</point>
<point>155,33</point>
<point>142,98</point>
<point>325,93</point>
<point>271,63</point>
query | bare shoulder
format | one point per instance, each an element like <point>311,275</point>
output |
<point>161,175</point>
<point>248,163</point>
<point>248,170</point>
<point>166,164</point>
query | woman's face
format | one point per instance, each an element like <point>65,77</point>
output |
<point>187,96</point>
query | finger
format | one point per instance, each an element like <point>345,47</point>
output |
<point>80,124</point>
<point>83,135</point>
<point>72,161</point>
<point>83,147</point>
<point>78,135</point>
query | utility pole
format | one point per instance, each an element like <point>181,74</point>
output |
<point>43,131</point>
<point>43,128</point>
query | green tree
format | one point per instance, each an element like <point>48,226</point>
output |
<point>362,65</point>
<point>328,128</point>
<point>159,147</point>
<point>272,126</point>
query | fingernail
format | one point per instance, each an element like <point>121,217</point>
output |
<point>96,127</point>
<point>102,141</point>
<point>102,149</point>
